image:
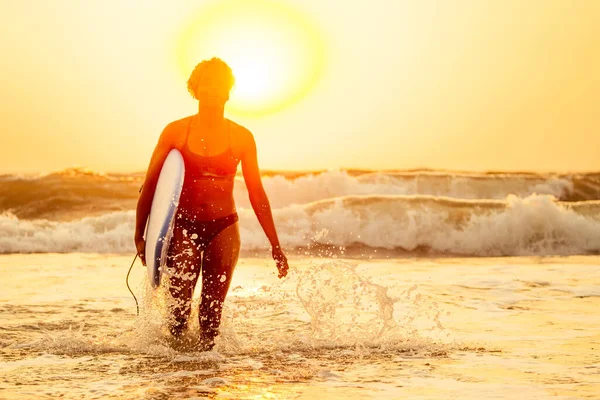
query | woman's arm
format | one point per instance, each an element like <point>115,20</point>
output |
<point>260,202</point>
<point>164,145</point>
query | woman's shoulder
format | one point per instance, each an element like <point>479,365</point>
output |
<point>239,133</point>
<point>242,140</point>
<point>179,124</point>
<point>174,132</point>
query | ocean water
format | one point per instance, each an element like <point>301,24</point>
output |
<point>436,212</point>
<point>421,284</point>
<point>476,328</point>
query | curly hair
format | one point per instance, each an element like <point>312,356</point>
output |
<point>215,70</point>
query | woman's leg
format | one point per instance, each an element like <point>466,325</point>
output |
<point>183,268</point>
<point>218,263</point>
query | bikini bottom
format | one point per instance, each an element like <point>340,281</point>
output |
<point>206,230</point>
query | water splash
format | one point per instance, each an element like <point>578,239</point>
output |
<point>324,306</point>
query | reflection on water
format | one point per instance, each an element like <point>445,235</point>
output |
<point>473,328</point>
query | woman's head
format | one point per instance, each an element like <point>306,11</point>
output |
<point>211,81</point>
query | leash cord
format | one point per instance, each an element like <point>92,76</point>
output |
<point>127,283</point>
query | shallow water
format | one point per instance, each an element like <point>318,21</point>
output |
<point>477,328</point>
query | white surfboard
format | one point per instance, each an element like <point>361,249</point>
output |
<point>162,215</point>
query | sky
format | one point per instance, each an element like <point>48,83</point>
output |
<point>462,85</point>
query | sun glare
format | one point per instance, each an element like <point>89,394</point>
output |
<point>276,53</point>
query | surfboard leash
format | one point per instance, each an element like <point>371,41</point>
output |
<point>137,306</point>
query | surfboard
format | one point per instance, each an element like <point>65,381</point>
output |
<point>162,214</point>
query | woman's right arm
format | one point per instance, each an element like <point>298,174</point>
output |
<point>162,149</point>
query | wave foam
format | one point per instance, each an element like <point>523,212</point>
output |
<point>536,225</point>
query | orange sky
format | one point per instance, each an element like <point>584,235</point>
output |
<point>471,85</point>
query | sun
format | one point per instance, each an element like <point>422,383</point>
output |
<point>276,53</point>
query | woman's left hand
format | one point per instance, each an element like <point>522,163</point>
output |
<point>280,261</point>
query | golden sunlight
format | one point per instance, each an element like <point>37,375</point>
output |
<point>276,53</point>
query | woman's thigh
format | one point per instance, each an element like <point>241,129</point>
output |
<point>183,262</point>
<point>219,260</point>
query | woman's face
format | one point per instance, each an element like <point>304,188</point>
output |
<point>212,92</point>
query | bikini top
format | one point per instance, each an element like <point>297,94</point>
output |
<point>220,166</point>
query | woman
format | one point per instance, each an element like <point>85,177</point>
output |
<point>206,234</point>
